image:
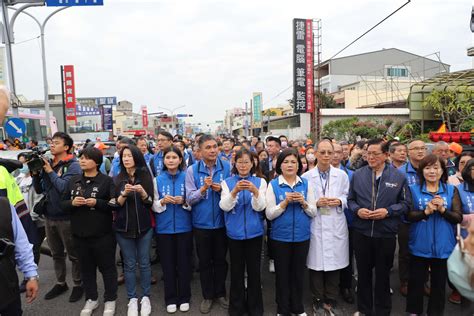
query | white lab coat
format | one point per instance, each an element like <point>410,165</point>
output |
<point>329,244</point>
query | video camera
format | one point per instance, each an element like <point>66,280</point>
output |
<point>35,160</point>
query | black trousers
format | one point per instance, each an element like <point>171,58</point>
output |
<point>175,253</point>
<point>245,253</point>
<point>13,309</point>
<point>345,274</point>
<point>269,240</point>
<point>418,268</point>
<point>98,252</point>
<point>37,247</point>
<point>403,251</point>
<point>373,253</point>
<point>290,266</point>
<point>211,246</point>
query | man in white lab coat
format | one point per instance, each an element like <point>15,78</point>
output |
<point>329,245</point>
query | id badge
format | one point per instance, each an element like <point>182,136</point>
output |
<point>324,210</point>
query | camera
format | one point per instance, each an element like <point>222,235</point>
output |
<point>35,160</point>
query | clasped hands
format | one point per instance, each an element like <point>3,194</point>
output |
<point>326,201</point>
<point>81,201</point>
<point>436,204</point>
<point>379,213</point>
<point>293,197</point>
<point>168,199</point>
<point>244,185</point>
<point>209,184</point>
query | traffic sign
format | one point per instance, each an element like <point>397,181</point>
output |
<point>73,3</point>
<point>15,127</point>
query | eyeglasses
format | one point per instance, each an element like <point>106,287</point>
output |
<point>162,140</point>
<point>418,148</point>
<point>242,163</point>
<point>369,153</point>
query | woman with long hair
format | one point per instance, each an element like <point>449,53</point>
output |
<point>174,229</point>
<point>243,200</point>
<point>256,163</point>
<point>436,209</point>
<point>459,164</point>
<point>290,206</point>
<point>134,224</point>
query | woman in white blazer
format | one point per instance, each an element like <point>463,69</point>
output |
<point>329,243</point>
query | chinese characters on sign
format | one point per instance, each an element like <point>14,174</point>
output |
<point>70,3</point>
<point>257,109</point>
<point>144,116</point>
<point>69,95</point>
<point>303,98</point>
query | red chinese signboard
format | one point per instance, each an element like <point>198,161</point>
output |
<point>69,94</point>
<point>144,116</point>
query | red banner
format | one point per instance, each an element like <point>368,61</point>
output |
<point>70,94</point>
<point>144,116</point>
<point>309,67</point>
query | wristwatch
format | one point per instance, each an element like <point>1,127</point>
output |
<point>35,277</point>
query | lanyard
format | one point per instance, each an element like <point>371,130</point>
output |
<point>325,185</point>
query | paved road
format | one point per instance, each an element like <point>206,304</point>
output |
<point>60,306</point>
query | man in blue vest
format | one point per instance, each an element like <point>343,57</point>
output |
<point>203,193</point>
<point>164,140</point>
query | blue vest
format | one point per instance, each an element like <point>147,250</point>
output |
<point>206,213</point>
<point>147,157</point>
<point>293,225</point>
<point>410,174</point>
<point>243,222</point>
<point>102,167</point>
<point>435,236</point>
<point>223,156</point>
<point>158,163</point>
<point>115,166</point>
<point>467,200</point>
<point>175,219</point>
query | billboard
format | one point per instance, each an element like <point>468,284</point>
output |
<point>303,57</point>
<point>69,95</point>
<point>107,118</point>
<point>257,109</point>
<point>70,3</point>
<point>144,116</point>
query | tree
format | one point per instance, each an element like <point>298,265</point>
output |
<point>455,107</point>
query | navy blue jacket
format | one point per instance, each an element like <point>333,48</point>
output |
<point>175,219</point>
<point>392,194</point>
<point>55,184</point>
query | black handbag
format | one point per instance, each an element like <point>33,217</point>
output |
<point>40,207</point>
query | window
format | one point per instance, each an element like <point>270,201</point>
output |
<point>397,72</point>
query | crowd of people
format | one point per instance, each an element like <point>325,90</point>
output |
<point>316,207</point>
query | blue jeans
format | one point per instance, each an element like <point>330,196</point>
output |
<point>136,251</point>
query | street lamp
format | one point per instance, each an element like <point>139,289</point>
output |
<point>172,111</point>
<point>42,27</point>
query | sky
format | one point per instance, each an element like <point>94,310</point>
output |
<point>211,55</point>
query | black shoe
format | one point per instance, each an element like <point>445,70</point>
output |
<point>76,294</point>
<point>23,286</point>
<point>347,296</point>
<point>57,290</point>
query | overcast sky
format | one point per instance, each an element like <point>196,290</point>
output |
<point>210,55</point>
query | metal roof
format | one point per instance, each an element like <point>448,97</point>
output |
<point>453,80</point>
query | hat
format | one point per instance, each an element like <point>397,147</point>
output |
<point>101,146</point>
<point>456,148</point>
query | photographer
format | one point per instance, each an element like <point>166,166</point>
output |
<point>53,181</point>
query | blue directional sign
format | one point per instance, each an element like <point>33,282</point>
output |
<point>71,3</point>
<point>15,127</point>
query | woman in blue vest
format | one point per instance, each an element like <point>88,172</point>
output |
<point>290,206</point>
<point>435,212</point>
<point>243,200</point>
<point>174,229</point>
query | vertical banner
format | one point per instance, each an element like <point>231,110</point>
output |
<point>303,98</point>
<point>257,109</point>
<point>69,95</point>
<point>144,116</point>
<point>309,67</point>
<point>107,117</point>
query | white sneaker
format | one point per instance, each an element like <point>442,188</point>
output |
<point>132,307</point>
<point>109,308</point>
<point>184,307</point>
<point>170,309</point>
<point>89,307</point>
<point>271,266</point>
<point>145,309</point>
